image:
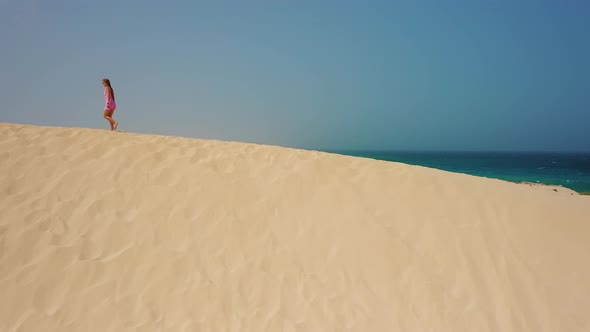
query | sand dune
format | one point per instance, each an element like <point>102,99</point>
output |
<point>107,231</point>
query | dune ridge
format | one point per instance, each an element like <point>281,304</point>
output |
<point>110,231</point>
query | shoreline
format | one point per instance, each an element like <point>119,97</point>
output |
<point>533,167</point>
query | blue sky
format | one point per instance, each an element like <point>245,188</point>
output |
<point>379,75</point>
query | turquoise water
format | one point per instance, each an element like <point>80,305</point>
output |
<point>571,170</point>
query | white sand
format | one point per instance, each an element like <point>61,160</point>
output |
<point>106,231</point>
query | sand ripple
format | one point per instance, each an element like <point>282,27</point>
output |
<point>103,231</point>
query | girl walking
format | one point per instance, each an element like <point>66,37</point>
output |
<point>110,106</point>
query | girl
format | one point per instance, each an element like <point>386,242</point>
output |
<point>109,108</point>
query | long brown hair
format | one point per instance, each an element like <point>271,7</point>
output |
<point>106,80</point>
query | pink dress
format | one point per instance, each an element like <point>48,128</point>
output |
<point>110,102</point>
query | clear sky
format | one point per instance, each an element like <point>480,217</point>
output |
<point>379,75</point>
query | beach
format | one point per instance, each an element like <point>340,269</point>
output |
<point>114,231</point>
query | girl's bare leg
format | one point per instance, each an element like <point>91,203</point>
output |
<point>116,123</point>
<point>108,114</point>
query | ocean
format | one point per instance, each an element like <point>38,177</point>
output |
<point>571,170</point>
